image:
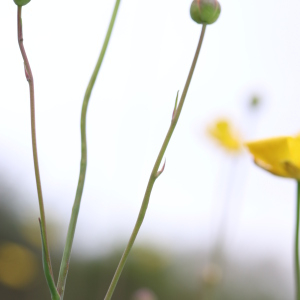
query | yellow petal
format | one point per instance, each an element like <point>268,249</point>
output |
<point>224,134</point>
<point>270,168</point>
<point>272,152</point>
<point>292,170</point>
<point>280,155</point>
<point>294,146</point>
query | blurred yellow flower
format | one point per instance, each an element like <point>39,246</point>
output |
<point>279,156</point>
<point>18,265</point>
<point>223,132</point>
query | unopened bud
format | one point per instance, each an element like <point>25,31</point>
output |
<point>21,2</point>
<point>205,11</point>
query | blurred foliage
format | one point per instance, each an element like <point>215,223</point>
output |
<point>149,274</point>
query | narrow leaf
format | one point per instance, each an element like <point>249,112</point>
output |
<point>48,275</point>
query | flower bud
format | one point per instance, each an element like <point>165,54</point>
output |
<point>205,11</point>
<point>21,2</point>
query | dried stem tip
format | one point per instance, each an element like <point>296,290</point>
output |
<point>21,2</point>
<point>205,11</point>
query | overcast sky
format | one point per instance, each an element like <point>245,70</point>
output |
<point>252,49</point>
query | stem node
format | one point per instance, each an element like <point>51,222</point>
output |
<point>160,172</point>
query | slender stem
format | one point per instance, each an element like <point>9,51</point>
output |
<point>154,174</point>
<point>63,272</point>
<point>29,77</point>
<point>297,244</point>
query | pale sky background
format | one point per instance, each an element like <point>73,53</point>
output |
<point>254,48</point>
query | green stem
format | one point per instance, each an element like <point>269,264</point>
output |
<point>154,174</point>
<point>297,244</point>
<point>63,272</point>
<point>29,77</point>
<point>49,278</point>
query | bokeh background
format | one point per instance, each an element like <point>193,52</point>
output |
<point>253,50</point>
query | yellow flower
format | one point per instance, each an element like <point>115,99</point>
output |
<point>18,266</point>
<point>225,135</point>
<point>279,156</point>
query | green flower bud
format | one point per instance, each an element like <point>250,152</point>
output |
<point>21,2</point>
<point>205,11</point>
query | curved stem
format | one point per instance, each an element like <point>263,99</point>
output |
<point>29,77</point>
<point>154,174</point>
<point>63,272</point>
<point>297,244</point>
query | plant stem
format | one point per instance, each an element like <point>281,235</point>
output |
<point>29,78</point>
<point>63,272</point>
<point>297,244</point>
<point>154,174</point>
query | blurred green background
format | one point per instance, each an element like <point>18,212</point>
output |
<point>150,273</point>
